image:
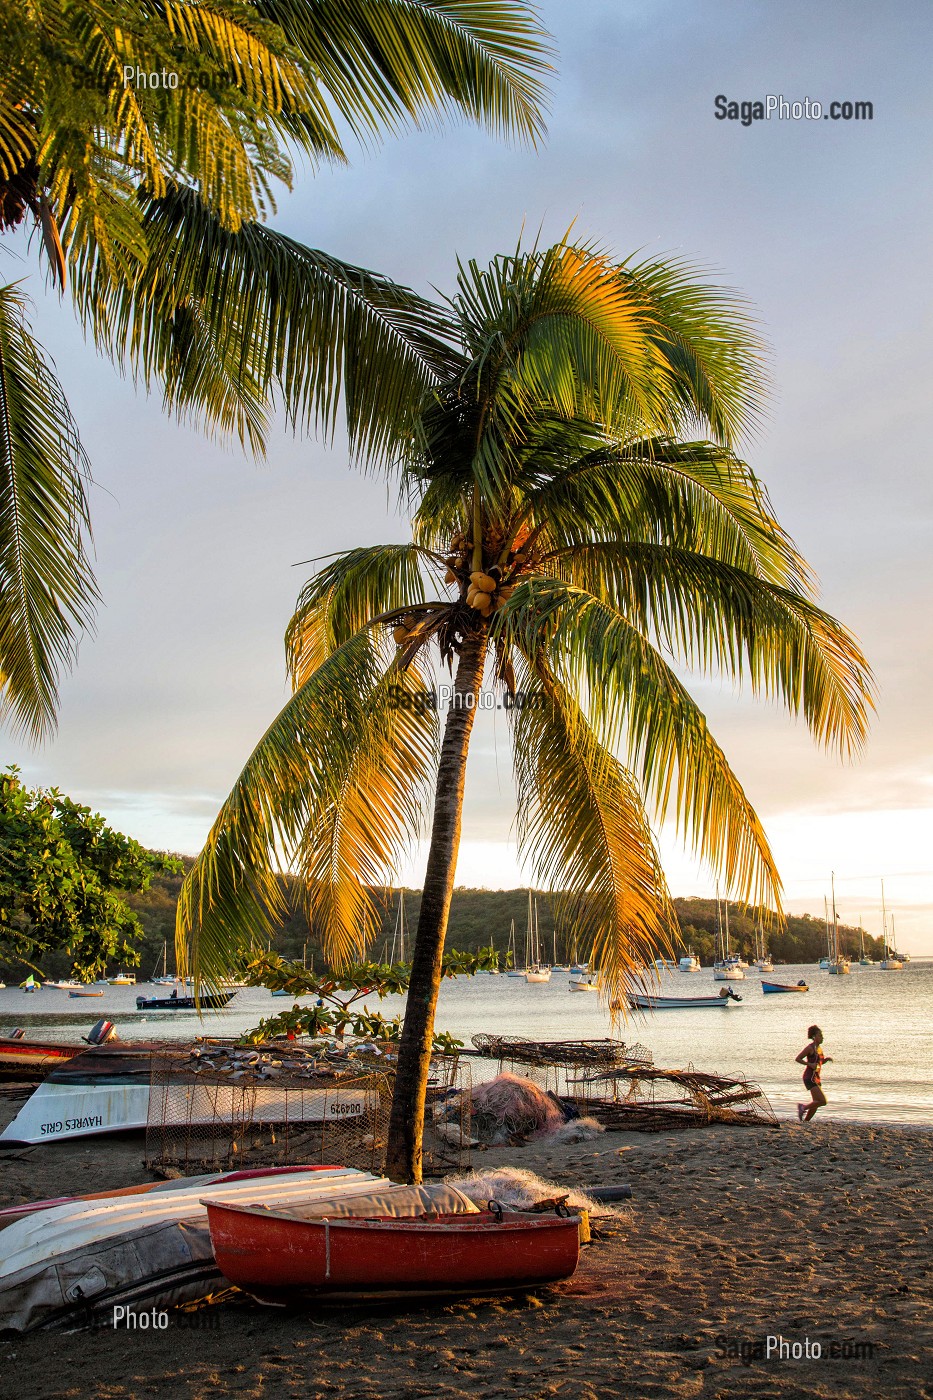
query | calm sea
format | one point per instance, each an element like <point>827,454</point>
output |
<point>878,1028</point>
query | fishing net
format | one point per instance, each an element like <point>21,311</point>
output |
<point>645,1099</point>
<point>217,1106</point>
<point>557,1065</point>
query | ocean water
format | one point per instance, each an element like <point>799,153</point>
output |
<point>878,1028</point>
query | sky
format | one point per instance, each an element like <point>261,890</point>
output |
<point>824,226</point>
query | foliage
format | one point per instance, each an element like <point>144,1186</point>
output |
<point>64,875</point>
<point>565,514</point>
<point>338,992</point>
<point>143,143</point>
<point>47,587</point>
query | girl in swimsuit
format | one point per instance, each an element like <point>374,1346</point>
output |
<point>814,1059</point>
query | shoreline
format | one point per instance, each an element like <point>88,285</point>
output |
<point>733,1234</point>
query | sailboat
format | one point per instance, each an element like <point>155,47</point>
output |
<point>840,965</point>
<point>826,963</point>
<point>726,968</point>
<point>399,952</point>
<point>762,958</point>
<point>537,971</point>
<point>165,979</point>
<point>863,961</point>
<point>512,955</point>
<point>889,963</point>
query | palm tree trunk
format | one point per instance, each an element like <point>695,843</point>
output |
<point>406,1124</point>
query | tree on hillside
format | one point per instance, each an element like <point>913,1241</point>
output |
<point>64,875</point>
<point>142,143</point>
<point>581,522</point>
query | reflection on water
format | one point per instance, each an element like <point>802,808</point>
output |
<point>877,1028</point>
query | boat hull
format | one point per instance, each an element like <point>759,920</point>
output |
<point>647,1003</point>
<point>212,1001</point>
<point>24,1056</point>
<point>280,1260</point>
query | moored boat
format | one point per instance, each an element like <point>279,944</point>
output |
<point>123,979</point>
<point>587,983</point>
<point>639,1002</point>
<point>278,1256</point>
<point>784,986</point>
<point>86,992</point>
<point>210,1001</point>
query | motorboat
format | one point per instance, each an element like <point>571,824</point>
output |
<point>211,1001</point>
<point>689,963</point>
<point>122,979</point>
<point>538,974</point>
<point>587,983</point>
<point>86,992</point>
<point>279,1256</point>
<point>639,1002</point>
<point>784,986</point>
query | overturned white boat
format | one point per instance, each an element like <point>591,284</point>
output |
<point>106,1089</point>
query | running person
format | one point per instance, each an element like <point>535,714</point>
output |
<point>813,1058</point>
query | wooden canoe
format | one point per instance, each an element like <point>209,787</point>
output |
<point>280,1258</point>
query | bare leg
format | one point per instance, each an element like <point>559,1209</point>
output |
<point>819,1100</point>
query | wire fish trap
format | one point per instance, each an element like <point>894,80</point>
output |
<point>557,1065</point>
<point>646,1099</point>
<point>222,1107</point>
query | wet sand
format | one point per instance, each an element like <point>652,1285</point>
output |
<point>817,1235</point>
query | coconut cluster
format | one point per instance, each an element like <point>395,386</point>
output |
<point>486,593</point>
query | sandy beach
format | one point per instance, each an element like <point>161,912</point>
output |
<point>814,1235</point>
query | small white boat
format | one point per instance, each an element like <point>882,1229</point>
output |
<point>689,963</point>
<point>640,1002</point>
<point>584,984</point>
<point>665,964</point>
<point>122,979</point>
<point>538,974</point>
<point>825,964</point>
<point>840,968</point>
<point>63,986</point>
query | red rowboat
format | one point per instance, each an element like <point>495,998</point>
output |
<point>279,1257</point>
<point>19,1057</point>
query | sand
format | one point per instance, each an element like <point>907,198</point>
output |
<point>817,1235</point>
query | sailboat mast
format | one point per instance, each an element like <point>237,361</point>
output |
<point>884,922</point>
<point>726,902</point>
<point>832,886</point>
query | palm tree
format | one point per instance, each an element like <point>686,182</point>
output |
<point>149,194</point>
<point>582,523</point>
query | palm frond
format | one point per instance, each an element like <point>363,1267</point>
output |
<point>380,772</point>
<point>306,798</point>
<point>637,700</point>
<point>345,595</point>
<point>385,62</point>
<point>711,615</point>
<point>47,588</point>
<point>287,321</point>
<point>582,826</point>
<point>690,495</point>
